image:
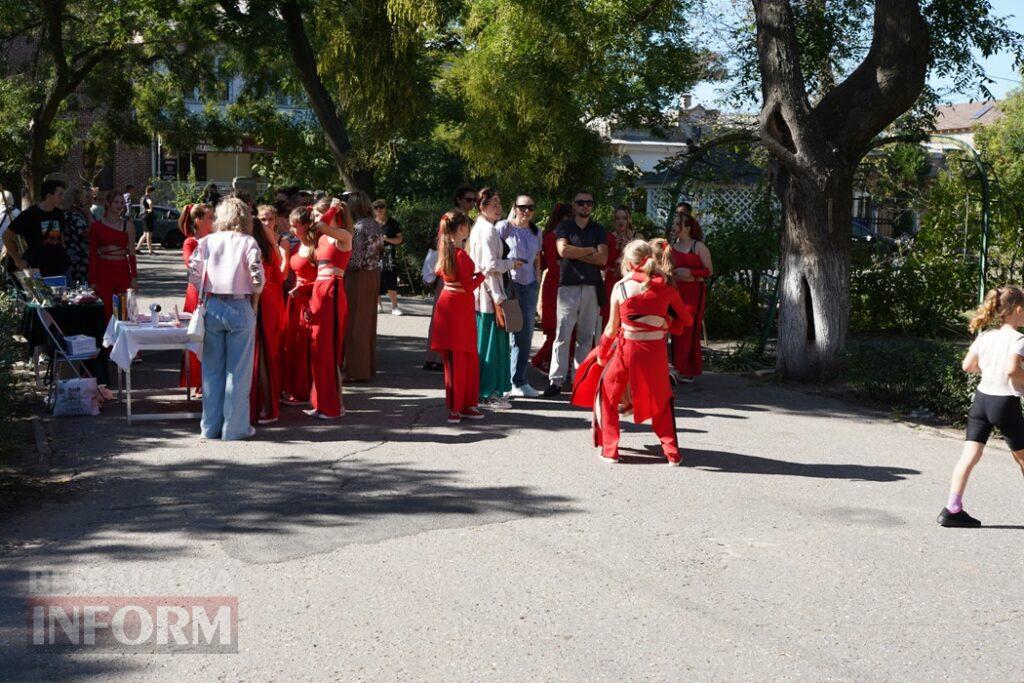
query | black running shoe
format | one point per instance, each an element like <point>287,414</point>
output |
<point>552,390</point>
<point>957,519</point>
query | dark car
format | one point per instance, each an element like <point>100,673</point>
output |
<point>165,228</point>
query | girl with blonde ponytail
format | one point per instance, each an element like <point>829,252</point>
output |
<point>996,355</point>
<point>644,309</point>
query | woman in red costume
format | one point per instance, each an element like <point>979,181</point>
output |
<point>112,268</point>
<point>455,319</point>
<point>195,222</point>
<point>623,234</point>
<point>692,266</point>
<point>644,307</point>
<point>298,341</point>
<point>549,288</point>
<point>328,308</point>
<point>264,398</point>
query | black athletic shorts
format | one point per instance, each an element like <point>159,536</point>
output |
<point>996,411</point>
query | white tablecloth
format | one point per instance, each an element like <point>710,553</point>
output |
<point>125,339</point>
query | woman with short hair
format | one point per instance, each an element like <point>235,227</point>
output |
<point>226,267</point>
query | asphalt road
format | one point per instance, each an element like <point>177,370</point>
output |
<point>798,541</point>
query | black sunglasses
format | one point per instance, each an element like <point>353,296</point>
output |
<point>584,202</point>
<point>526,207</point>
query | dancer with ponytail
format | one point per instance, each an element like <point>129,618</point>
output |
<point>691,268</point>
<point>455,325</point>
<point>298,380</point>
<point>195,223</point>
<point>997,355</point>
<point>271,318</point>
<point>632,352</point>
<point>328,310</point>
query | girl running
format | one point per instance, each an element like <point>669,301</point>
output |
<point>996,354</point>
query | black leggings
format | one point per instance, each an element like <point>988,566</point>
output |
<point>996,411</point>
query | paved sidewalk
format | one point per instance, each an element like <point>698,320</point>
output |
<point>798,541</point>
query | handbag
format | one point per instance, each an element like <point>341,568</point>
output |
<point>197,323</point>
<point>513,313</point>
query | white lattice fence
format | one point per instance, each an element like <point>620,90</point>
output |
<point>709,202</point>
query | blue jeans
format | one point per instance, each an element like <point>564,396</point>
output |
<point>228,351</point>
<point>521,340</point>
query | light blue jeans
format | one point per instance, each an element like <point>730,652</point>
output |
<point>229,347</point>
<point>521,340</point>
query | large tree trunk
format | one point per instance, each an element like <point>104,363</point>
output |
<point>320,100</point>
<point>815,150</point>
<point>814,285</point>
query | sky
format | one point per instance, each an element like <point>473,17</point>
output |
<point>999,67</point>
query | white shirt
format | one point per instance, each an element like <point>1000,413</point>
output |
<point>993,347</point>
<point>485,247</point>
<point>6,218</point>
<point>429,273</point>
<point>230,262</point>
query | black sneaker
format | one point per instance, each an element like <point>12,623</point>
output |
<point>553,390</point>
<point>957,519</point>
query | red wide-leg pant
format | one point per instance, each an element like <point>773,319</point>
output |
<point>297,357</point>
<point>614,383</point>
<point>328,307</point>
<point>686,355</point>
<point>461,380</point>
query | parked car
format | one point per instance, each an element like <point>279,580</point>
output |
<point>165,228</point>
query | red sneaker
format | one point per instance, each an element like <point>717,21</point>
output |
<point>472,414</point>
<point>454,418</point>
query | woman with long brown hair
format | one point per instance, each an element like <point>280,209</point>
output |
<point>691,262</point>
<point>549,285</point>
<point>195,222</point>
<point>622,234</point>
<point>112,267</point>
<point>455,319</point>
<point>264,400</point>
<point>298,381</point>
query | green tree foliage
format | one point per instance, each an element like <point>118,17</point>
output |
<point>532,79</point>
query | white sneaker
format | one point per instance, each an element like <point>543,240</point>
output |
<point>497,403</point>
<point>397,311</point>
<point>525,391</point>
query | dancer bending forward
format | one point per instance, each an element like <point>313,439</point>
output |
<point>996,354</point>
<point>644,309</point>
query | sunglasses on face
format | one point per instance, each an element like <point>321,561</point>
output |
<point>526,207</point>
<point>584,202</point>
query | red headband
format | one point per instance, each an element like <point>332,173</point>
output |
<point>638,267</point>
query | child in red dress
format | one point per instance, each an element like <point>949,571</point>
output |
<point>455,319</point>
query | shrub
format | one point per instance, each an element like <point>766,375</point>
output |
<point>10,353</point>
<point>419,221</point>
<point>728,314</point>
<point>906,374</point>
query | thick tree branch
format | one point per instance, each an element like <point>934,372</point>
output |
<point>320,101</point>
<point>788,126</point>
<point>885,84</point>
<point>54,12</point>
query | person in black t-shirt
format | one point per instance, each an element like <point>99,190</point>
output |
<point>583,248</point>
<point>42,227</point>
<point>148,216</point>
<point>389,262</point>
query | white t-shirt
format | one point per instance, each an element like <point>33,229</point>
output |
<point>992,347</point>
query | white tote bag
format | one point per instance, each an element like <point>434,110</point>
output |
<point>77,396</point>
<point>197,323</point>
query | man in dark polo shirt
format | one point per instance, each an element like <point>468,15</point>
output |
<point>42,227</point>
<point>583,249</point>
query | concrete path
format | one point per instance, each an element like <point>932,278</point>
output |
<point>798,541</point>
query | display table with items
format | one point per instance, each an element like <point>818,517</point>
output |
<point>126,339</point>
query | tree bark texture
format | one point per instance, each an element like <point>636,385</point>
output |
<point>320,100</point>
<point>815,152</point>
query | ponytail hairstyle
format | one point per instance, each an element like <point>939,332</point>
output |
<point>999,303</point>
<point>304,216</point>
<point>638,257</point>
<point>446,232</point>
<point>661,251</point>
<point>696,234</point>
<point>484,197</point>
<point>185,222</point>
